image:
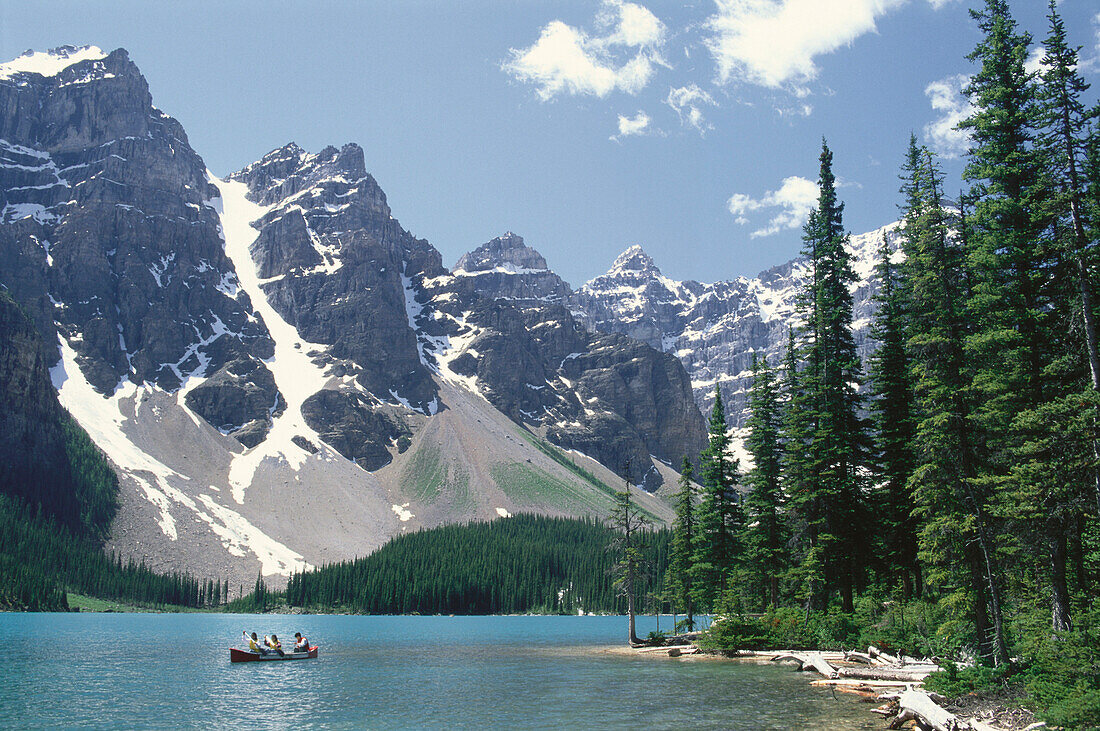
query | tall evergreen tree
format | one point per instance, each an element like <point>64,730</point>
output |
<point>892,411</point>
<point>1010,263</point>
<point>683,544</point>
<point>1047,498</point>
<point>827,492</point>
<point>765,535</point>
<point>719,513</point>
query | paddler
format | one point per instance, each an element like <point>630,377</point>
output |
<point>273,643</point>
<point>301,644</point>
<point>254,643</point>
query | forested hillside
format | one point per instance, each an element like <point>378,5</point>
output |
<point>524,563</point>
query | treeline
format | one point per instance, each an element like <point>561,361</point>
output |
<point>970,477</point>
<point>41,560</point>
<point>525,563</point>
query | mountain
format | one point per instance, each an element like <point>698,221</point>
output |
<point>280,374</point>
<point>715,329</point>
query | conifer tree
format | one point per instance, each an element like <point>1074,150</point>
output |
<point>683,544</point>
<point>807,572</point>
<point>1010,265</point>
<point>892,411</point>
<point>1064,142</point>
<point>719,512</point>
<point>628,522</point>
<point>765,535</point>
<point>1050,491</point>
<point>827,491</point>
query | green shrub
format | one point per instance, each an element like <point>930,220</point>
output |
<point>953,681</point>
<point>733,632</point>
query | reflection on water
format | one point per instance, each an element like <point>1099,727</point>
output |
<point>173,671</point>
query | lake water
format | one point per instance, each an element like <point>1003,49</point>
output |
<point>172,671</point>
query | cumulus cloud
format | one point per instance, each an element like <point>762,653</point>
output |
<point>773,43</point>
<point>636,125</point>
<point>794,199</point>
<point>1034,62</point>
<point>621,55</point>
<point>688,103</point>
<point>947,98</point>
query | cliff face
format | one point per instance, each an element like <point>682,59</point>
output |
<point>107,240</point>
<point>498,322</point>
<point>335,264</point>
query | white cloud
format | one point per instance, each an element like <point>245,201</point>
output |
<point>795,197</point>
<point>688,102</point>
<point>567,60</point>
<point>1034,62</point>
<point>773,42</point>
<point>636,125</point>
<point>634,25</point>
<point>947,98</point>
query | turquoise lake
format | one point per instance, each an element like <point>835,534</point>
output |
<point>168,671</point>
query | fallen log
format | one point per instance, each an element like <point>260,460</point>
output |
<point>860,657</point>
<point>903,717</point>
<point>664,648</point>
<point>680,651</point>
<point>921,705</point>
<point>810,661</point>
<point>884,673</point>
<point>878,654</point>
<point>821,665</point>
<point>868,682</point>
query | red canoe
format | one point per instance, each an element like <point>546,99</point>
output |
<point>236,655</point>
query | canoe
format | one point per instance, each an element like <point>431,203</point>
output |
<point>236,655</point>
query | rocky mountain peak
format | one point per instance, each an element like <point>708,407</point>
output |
<point>634,259</point>
<point>290,171</point>
<point>51,62</point>
<point>505,251</point>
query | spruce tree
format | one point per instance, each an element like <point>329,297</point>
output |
<point>892,412</point>
<point>1051,491</point>
<point>827,492</point>
<point>719,513</point>
<point>1011,263</point>
<point>683,544</point>
<point>765,531</point>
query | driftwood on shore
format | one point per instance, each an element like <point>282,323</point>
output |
<point>915,704</point>
<point>809,661</point>
<point>915,674</point>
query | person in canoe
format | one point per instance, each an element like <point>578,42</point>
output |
<point>301,644</point>
<point>273,644</point>
<point>254,644</point>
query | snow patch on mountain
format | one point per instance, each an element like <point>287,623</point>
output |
<point>296,375</point>
<point>104,419</point>
<point>49,63</point>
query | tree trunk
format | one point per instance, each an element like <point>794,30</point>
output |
<point>1000,646</point>
<point>979,607</point>
<point>1061,620</point>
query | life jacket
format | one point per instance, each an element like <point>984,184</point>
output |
<point>253,645</point>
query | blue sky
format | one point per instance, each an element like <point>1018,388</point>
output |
<point>692,129</point>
